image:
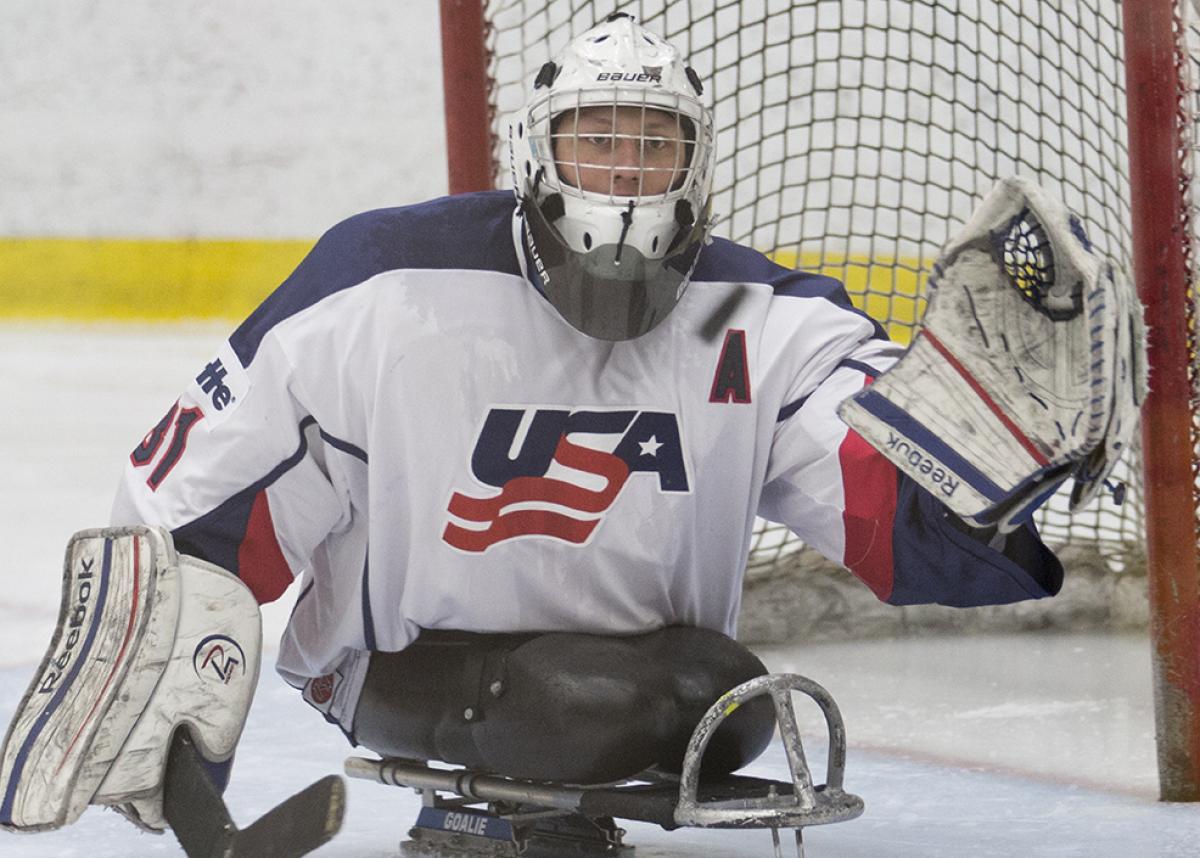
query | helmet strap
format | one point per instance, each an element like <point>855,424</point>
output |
<point>626,222</point>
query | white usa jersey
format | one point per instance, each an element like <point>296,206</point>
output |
<point>409,424</point>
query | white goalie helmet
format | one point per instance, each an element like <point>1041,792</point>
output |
<point>612,160</point>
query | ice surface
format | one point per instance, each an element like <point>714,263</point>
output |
<point>1031,745</point>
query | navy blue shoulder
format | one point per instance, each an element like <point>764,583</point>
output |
<point>467,231</point>
<point>724,261</point>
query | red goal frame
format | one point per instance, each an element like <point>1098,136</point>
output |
<point>1160,97</point>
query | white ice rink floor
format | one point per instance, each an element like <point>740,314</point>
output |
<point>1031,745</point>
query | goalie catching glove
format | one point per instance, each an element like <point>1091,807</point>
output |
<point>1029,366</point>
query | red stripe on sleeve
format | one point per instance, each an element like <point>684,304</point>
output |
<point>260,560</point>
<point>869,483</point>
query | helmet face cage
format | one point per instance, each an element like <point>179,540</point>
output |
<point>618,144</point>
<point>612,163</point>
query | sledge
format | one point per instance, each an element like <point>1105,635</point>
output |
<point>473,813</point>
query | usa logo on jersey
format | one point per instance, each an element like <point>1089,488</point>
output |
<point>558,471</point>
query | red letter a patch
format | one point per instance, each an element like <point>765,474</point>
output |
<point>731,383</point>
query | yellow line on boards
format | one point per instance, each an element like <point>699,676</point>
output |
<point>172,279</point>
<point>149,279</point>
<point>891,290</point>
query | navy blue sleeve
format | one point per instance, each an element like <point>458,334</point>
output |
<point>939,561</point>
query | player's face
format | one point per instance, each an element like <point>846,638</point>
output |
<point>623,151</point>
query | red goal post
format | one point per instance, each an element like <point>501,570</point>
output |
<point>854,137</point>
<point>1162,51</point>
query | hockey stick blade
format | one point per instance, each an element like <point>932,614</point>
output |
<point>202,824</point>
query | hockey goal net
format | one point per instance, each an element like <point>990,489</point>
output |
<point>855,136</point>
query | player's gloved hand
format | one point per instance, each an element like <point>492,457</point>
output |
<point>1029,366</point>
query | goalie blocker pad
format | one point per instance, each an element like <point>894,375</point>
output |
<point>146,641</point>
<point>1028,367</point>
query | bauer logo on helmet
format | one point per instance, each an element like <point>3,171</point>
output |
<point>647,76</point>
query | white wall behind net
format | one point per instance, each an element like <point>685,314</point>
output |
<point>213,118</point>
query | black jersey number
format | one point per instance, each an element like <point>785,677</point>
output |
<point>178,422</point>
